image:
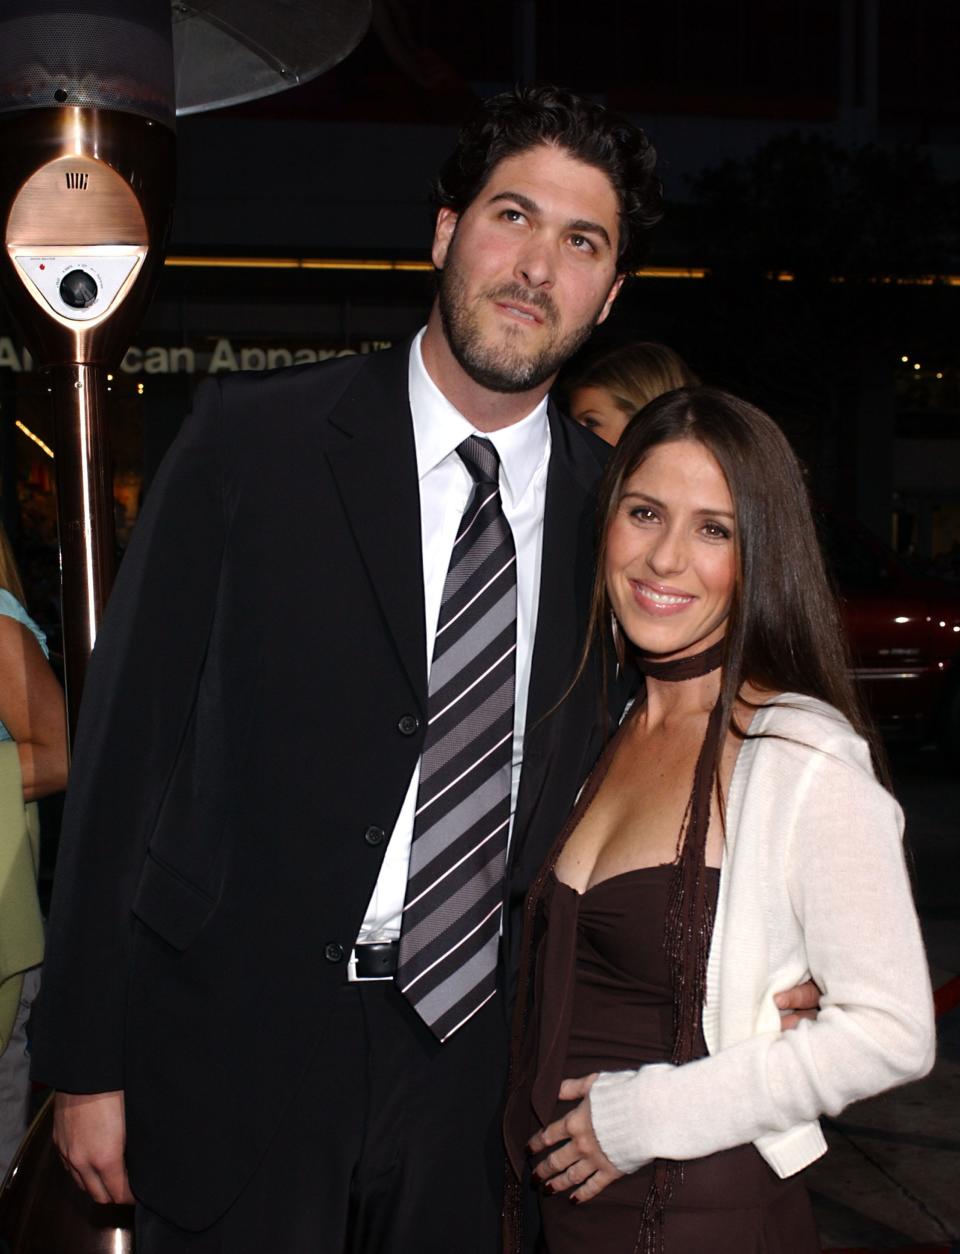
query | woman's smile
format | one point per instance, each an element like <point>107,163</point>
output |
<point>658,600</point>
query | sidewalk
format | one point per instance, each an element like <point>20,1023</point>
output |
<point>891,1180</point>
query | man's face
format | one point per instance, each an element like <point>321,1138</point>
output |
<point>528,268</point>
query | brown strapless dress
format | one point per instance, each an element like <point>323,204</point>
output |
<point>603,1002</point>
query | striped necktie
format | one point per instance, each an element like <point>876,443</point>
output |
<point>451,919</point>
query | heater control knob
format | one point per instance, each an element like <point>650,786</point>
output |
<point>78,289</point>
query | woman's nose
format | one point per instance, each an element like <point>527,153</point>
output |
<point>668,555</point>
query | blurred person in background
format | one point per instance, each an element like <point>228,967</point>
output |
<point>33,764</point>
<point>605,393</point>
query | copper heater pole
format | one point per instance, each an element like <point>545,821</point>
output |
<point>84,515</point>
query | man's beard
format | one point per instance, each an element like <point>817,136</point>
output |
<point>500,366</point>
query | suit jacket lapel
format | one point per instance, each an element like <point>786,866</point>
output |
<point>375,469</point>
<point>566,574</point>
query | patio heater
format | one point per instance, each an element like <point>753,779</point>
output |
<point>89,90</point>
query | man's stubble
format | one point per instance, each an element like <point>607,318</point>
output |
<point>503,367</point>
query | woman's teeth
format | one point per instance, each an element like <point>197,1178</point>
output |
<point>662,598</point>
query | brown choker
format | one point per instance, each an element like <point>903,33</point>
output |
<point>682,667</point>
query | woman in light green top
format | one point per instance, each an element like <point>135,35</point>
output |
<point>31,700</point>
<point>33,763</point>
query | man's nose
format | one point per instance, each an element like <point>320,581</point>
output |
<point>535,266</point>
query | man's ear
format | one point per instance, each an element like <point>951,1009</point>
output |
<point>443,231</point>
<point>611,297</point>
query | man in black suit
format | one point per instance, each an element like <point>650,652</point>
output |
<point>221,989</point>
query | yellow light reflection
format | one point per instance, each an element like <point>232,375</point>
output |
<point>401,265</point>
<point>36,439</point>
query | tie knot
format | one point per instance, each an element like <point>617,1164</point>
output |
<point>481,459</point>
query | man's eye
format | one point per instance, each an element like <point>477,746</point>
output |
<point>513,215</point>
<point>581,243</point>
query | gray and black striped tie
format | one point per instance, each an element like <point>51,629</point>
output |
<point>451,920</point>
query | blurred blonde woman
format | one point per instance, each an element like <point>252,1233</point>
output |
<point>33,763</point>
<point>606,393</point>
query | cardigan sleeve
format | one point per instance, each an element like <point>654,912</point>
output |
<point>849,888</point>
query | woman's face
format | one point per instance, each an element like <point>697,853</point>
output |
<point>671,559</point>
<point>597,409</point>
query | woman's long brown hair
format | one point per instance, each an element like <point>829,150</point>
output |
<point>784,633</point>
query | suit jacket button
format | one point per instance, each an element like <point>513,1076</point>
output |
<point>333,952</point>
<point>374,836</point>
<point>408,725</point>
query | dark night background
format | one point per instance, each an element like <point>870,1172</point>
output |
<point>809,260</point>
<point>810,151</point>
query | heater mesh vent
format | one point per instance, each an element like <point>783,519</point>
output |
<point>48,60</point>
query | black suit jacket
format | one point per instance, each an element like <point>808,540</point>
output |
<point>256,703</point>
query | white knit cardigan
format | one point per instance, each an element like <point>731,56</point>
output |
<point>813,884</point>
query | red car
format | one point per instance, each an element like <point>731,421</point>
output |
<point>904,631</point>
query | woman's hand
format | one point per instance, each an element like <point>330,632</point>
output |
<point>580,1162</point>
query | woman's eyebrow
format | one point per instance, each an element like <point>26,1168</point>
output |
<point>643,496</point>
<point>652,500</point>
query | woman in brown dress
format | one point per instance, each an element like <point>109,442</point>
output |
<point>654,1095</point>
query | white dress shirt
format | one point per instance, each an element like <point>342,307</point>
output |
<point>445,487</point>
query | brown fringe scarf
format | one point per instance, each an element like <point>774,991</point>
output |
<point>687,931</point>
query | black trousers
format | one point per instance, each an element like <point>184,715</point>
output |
<point>392,1145</point>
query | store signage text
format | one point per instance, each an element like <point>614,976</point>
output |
<point>183,359</point>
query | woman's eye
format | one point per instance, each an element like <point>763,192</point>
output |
<point>716,531</point>
<point>643,513</point>
<point>590,423</point>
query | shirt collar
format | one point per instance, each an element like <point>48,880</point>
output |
<point>438,427</point>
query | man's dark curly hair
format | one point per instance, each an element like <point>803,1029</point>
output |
<point>520,119</point>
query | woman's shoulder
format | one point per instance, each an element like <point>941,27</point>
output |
<point>792,724</point>
<point>10,607</point>
<point>802,755</point>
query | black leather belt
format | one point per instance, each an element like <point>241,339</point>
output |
<point>376,961</point>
